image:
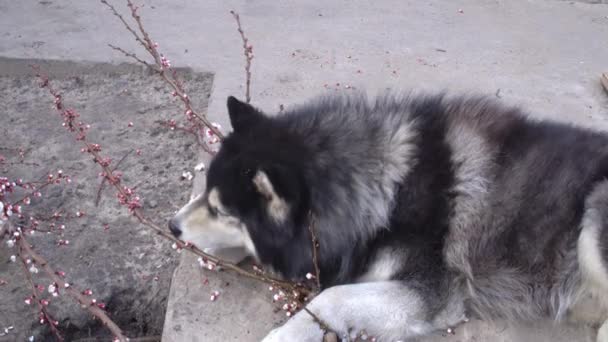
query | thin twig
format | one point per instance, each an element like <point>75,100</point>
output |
<point>85,303</point>
<point>130,54</point>
<point>179,92</point>
<point>149,44</point>
<point>19,163</point>
<point>192,131</point>
<point>127,26</point>
<point>34,190</point>
<point>205,146</point>
<point>322,324</point>
<point>248,53</point>
<point>103,181</point>
<point>315,249</point>
<point>45,314</point>
<point>3,230</point>
<point>159,67</point>
<point>315,259</point>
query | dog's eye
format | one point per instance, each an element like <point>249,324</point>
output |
<point>217,212</point>
<point>221,213</point>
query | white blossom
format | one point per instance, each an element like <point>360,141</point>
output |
<point>199,167</point>
<point>187,175</point>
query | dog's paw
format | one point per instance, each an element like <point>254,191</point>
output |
<point>299,328</point>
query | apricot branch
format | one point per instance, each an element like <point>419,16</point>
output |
<point>45,317</point>
<point>248,52</point>
<point>91,305</point>
<point>161,65</point>
<point>315,250</point>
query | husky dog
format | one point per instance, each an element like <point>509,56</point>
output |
<point>428,210</point>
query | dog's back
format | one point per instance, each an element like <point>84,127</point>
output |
<point>531,185</point>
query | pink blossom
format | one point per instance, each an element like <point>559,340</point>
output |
<point>189,115</point>
<point>164,62</point>
<point>104,161</point>
<point>172,124</point>
<point>62,242</point>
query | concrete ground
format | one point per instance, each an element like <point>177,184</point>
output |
<point>543,54</point>
<point>126,266</point>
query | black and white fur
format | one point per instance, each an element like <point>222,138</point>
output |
<point>428,209</point>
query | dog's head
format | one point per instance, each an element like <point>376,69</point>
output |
<point>256,197</point>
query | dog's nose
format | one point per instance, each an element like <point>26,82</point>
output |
<point>174,227</point>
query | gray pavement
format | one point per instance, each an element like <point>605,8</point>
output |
<point>545,55</point>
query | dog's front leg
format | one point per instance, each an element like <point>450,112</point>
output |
<point>388,311</point>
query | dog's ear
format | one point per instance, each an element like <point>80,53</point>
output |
<point>242,115</point>
<point>277,206</point>
<point>263,185</point>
